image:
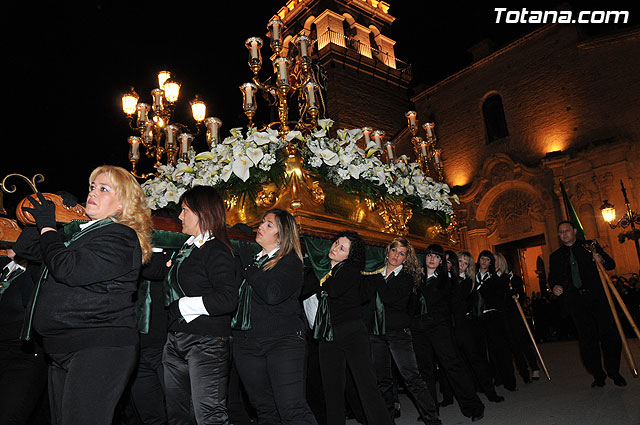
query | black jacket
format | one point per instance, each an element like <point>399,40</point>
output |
<point>275,305</point>
<point>87,299</point>
<point>394,293</point>
<point>560,267</point>
<point>344,288</point>
<point>209,272</point>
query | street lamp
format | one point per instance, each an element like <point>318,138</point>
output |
<point>629,219</point>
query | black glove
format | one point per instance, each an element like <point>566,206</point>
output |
<point>245,254</point>
<point>174,313</point>
<point>43,212</point>
<point>68,199</point>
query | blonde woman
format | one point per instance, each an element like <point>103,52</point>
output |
<point>84,309</point>
<point>393,344</point>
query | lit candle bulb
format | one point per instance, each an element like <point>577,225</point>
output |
<point>436,157</point>
<point>157,95</point>
<point>378,135</point>
<point>423,146</point>
<point>143,113</point>
<point>147,134</point>
<point>411,116</point>
<point>248,99</point>
<point>134,148</point>
<point>185,144</point>
<point>303,42</point>
<point>281,66</point>
<point>390,147</point>
<point>213,127</point>
<point>171,132</point>
<point>254,44</point>
<point>428,127</point>
<point>311,94</point>
<point>366,131</point>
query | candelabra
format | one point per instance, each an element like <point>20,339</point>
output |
<point>629,219</point>
<point>425,150</point>
<point>160,137</point>
<point>292,76</point>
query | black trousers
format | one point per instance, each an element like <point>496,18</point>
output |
<point>397,346</point>
<point>596,330</point>
<point>433,340</point>
<point>23,380</point>
<point>476,361</point>
<point>520,345</point>
<point>491,337</point>
<point>315,393</point>
<point>272,371</point>
<point>86,385</point>
<point>147,388</point>
<point>350,348</point>
<point>196,372</point>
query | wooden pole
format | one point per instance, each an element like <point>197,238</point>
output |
<point>604,277</point>
<point>533,340</point>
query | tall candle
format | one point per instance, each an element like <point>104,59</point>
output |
<point>312,96</point>
<point>134,152</point>
<point>429,129</point>
<point>254,49</point>
<point>282,67</point>
<point>248,90</point>
<point>366,131</point>
<point>390,151</point>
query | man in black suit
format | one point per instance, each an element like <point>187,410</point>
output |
<point>574,276</point>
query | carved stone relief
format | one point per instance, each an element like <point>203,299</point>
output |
<point>514,212</point>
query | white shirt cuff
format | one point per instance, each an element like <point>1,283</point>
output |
<point>191,308</point>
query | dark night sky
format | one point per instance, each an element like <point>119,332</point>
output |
<point>69,63</point>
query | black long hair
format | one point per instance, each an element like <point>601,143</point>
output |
<point>490,256</point>
<point>455,267</point>
<point>441,270</point>
<point>357,255</point>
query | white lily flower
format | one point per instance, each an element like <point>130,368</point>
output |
<point>354,170</point>
<point>241,167</point>
<point>225,174</point>
<point>261,138</point>
<point>204,155</point>
<point>295,134</point>
<point>329,157</point>
<point>255,154</point>
<point>325,123</point>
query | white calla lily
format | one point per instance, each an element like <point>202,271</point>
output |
<point>255,154</point>
<point>241,167</point>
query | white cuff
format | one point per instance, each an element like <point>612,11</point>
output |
<point>191,308</point>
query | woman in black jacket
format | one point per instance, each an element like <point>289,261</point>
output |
<point>343,337</point>
<point>202,291</point>
<point>432,330</point>
<point>462,265</point>
<point>83,302</point>
<point>392,341</point>
<point>268,337</point>
<point>487,303</point>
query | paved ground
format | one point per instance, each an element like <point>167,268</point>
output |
<point>567,399</point>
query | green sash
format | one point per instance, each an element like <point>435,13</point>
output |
<point>378,325</point>
<point>322,328</point>
<point>74,231</point>
<point>242,319</point>
<point>172,289</point>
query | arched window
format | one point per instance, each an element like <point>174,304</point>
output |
<point>494,122</point>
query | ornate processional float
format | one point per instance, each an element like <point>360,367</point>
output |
<point>329,179</point>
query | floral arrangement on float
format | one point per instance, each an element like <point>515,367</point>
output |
<point>243,162</point>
